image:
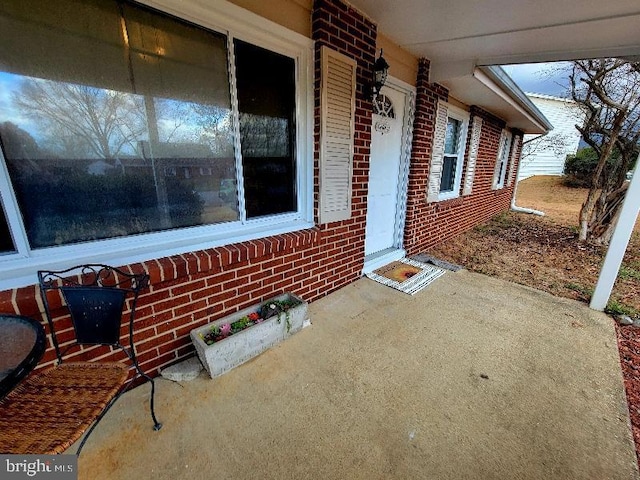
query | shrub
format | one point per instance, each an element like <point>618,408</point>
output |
<point>579,168</point>
<point>76,206</point>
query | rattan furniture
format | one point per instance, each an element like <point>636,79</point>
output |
<point>48,412</point>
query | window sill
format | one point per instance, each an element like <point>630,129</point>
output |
<point>166,269</point>
<point>445,198</point>
<point>449,203</point>
<point>199,254</point>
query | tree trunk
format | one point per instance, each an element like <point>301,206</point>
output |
<point>606,218</point>
<point>588,213</point>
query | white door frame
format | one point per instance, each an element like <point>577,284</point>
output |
<point>379,259</point>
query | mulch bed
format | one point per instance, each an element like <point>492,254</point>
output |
<point>629,349</point>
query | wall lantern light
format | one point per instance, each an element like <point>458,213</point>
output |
<point>380,72</point>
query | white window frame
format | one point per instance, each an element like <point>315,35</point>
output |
<point>19,268</point>
<point>502,160</point>
<point>462,116</point>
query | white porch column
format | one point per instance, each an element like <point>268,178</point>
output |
<point>619,241</point>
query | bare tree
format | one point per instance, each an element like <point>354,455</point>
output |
<point>608,93</point>
<point>215,128</point>
<point>555,143</point>
<point>82,120</point>
<point>264,136</point>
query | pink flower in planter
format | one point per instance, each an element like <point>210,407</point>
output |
<point>225,330</point>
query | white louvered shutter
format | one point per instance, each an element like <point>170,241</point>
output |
<point>512,161</point>
<point>337,96</point>
<point>437,155</point>
<point>476,130</point>
<point>501,160</point>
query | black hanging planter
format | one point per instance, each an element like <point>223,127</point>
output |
<point>96,313</point>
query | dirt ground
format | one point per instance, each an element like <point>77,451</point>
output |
<point>544,253</point>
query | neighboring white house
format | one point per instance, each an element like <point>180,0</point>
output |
<point>546,155</point>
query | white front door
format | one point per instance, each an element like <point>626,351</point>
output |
<point>387,135</point>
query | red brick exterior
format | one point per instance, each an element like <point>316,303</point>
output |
<point>428,224</point>
<point>189,290</point>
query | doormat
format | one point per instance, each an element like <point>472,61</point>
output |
<point>406,275</point>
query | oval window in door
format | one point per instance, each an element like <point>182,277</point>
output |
<point>383,106</point>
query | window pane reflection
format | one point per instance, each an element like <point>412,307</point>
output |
<point>267,129</point>
<point>452,136</point>
<point>143,147</point>
<point>448,174</point>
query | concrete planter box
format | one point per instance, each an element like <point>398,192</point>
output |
<point>225,354</point>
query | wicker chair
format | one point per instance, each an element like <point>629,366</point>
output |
<point>48,412</point>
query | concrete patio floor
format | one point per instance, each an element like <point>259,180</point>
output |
<point>472,378</point>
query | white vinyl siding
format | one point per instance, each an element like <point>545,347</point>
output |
<point>337,95</point>
<point>545,155</point>
<point>449,141</point>
<point>476,131</point>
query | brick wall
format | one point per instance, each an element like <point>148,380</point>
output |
<point>189,290</point>
<point>428,224</point>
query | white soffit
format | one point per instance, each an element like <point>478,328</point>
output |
<point>471,91</point>
<point>457,36</point>
<point>497,32</point>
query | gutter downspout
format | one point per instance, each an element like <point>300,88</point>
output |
<point>497,80</point>
<point>514,207</point>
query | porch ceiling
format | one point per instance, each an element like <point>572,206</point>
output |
<point>457,36</point>
<point>498,32</point>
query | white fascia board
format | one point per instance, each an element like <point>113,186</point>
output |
<point>513,96</point>
<point>544,96</point>
<point>561,55</point>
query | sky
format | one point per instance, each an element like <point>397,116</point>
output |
<point>8,84</point>
<point>546,78</point>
